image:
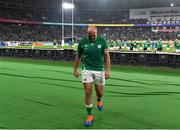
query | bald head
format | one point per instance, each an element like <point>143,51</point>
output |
<point>92,33</point>
<point>92,29</point>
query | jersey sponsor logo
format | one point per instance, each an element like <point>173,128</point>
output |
<point>99,46</point>
<point>85,46</point>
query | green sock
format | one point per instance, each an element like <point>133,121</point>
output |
<point>98,99</point>
<point>89,110</point>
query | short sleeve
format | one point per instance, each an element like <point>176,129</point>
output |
<point>105,46</point>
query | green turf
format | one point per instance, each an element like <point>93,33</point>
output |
<point>37,94</point>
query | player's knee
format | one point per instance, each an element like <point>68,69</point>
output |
<point>88,92</point>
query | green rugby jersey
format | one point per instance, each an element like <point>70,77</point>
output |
<point>92,53</point>
<point>145,45</point>
<point>135,45</point>
<point>176,45</point>
<point>159,44</point>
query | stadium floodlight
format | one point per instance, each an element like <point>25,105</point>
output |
<point>68,6</point>
<point>172,5</point>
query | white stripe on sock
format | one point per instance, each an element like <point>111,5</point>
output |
<point>89,106</point>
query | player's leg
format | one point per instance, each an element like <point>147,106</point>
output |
<point>88,97</point>
<point>87,80</point>
<point>99,94</point>
<point>88,101</point>
<point>99,91</point>
<point>99,87</point>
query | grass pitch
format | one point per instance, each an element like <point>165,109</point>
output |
<point>39,94</point>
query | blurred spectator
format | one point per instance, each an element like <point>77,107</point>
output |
<point>22,32</point>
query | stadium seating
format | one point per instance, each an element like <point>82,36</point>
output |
<point>15,32</point>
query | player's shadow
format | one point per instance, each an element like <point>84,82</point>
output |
<point>57,71</point>
<point>34,101</point>
<point>123,94</point>
<point>38,77</point>
<point>6,68</point>
<point>4,127</point>
<point>145,82</point>
<point>124,86</point>
<point>132,81</point>
<point>161,83</point>
<point>60,85</point>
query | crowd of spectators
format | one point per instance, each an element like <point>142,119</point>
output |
<point>23,32</point>
<point>19,32</point>
<point>163,20</point>
<point>138,33</point>
<point>79,16</point>
<point>31,15</point>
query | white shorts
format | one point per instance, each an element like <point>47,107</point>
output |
<point>96,77</point>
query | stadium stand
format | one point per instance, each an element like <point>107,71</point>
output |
<point>149,41</point>
<point>80,17</point>
<point>22,32</point>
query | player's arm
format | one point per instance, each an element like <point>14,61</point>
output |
<point>107,63</point>
<point>77,60</point>
<point>76,65</point>
<point>106,59</point>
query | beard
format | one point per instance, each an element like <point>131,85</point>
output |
<point>92,38</point>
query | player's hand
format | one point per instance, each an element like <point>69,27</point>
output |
<point>76,74</point>
<point>107,75</point>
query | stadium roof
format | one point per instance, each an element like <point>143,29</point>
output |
<point>101,5</point>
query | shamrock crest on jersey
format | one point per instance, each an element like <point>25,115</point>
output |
<point>99,46</point>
